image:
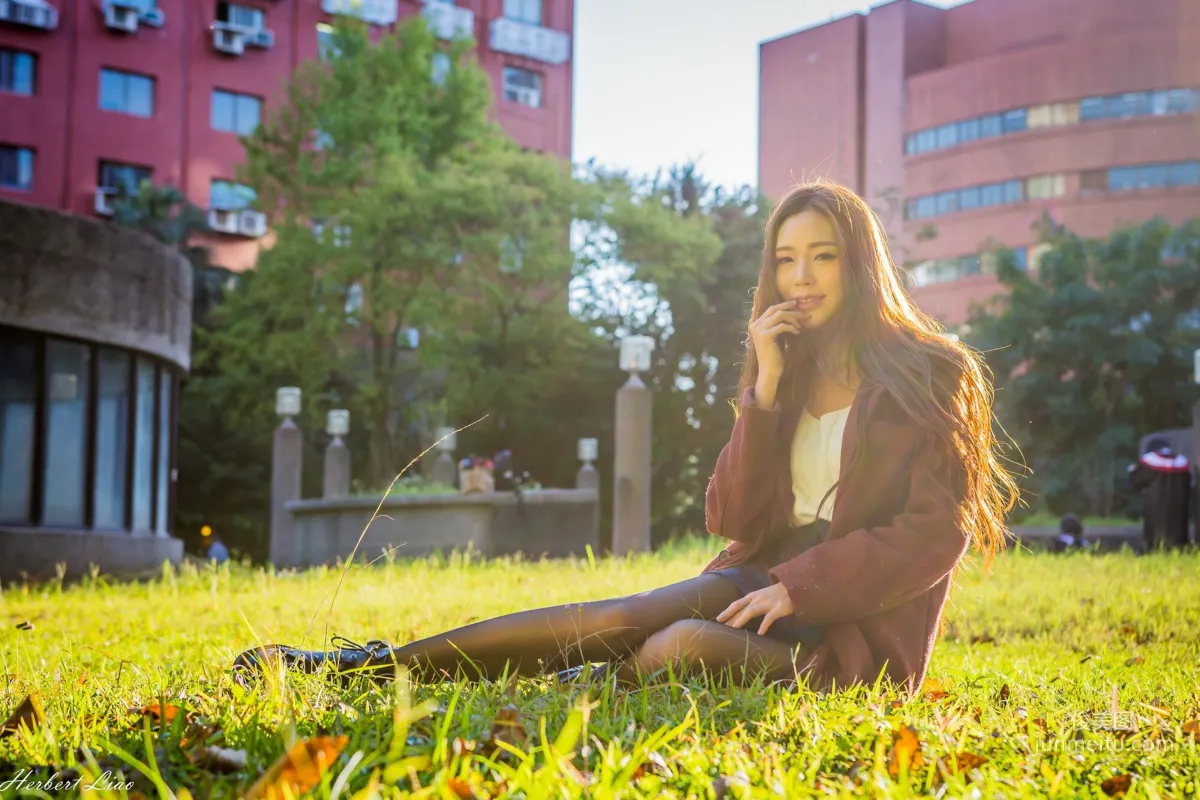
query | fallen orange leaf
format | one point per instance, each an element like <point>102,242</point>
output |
<point>29,713</point>
<point>933,691</point>
<point>462,790</point>
<point>906,751</point>
<point>161,712</point>
<point>299,769</point>
<point>961,762</point>
<point>1117,785</point>
<point>1192,727</point>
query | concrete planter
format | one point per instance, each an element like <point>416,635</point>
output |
<point>548,522</point>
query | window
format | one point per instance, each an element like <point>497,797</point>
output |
<point>441,68</point>
<point>1091,108</point>
<point>122,178</point>
<point>946,202</point>
<point>239,16</point>
<point>1123,105</point>
<point>968,130</point>
<point>910,144</point>
<point>1122,179</point>
<point>522,86</point>
<point>947,135</point>
<point>18,416</point>
<point>1064,113</point>
<point>991,125</point>
<point>1041,187</point>
<point>163,490</point>
<point>235,113</point>
<point>67,371</point>
<point>1021,258</point>
<point>230,196</point>
<point>1014,191</point>
<point>926,206</point>
<point>1152,176</point>
<point>926,141</point>
<point>112,437</point>
<point>1039,116</point>
<point>327,48</point>
<point>126,93</point>
<point>524,11</point>
<point>16,167</point>
<point>1093,181</point>
<point>1184,174</point>
<point>968,198</point>
<point>1183,101</point>
<point>1014,120</point>
<point>143,448</point>
<point>991,195</point>
<point>18,71</point>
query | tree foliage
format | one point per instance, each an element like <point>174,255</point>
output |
<point>1092,352</point>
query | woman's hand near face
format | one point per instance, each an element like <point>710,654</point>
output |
<point>765,331</point>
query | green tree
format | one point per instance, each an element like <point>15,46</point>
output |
<point>1093,351</point>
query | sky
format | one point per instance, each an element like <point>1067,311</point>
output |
<point>661,82</point>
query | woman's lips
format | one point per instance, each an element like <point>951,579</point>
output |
<point>808,303</point>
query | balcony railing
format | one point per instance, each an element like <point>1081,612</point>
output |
<point>448,21</point>
<point>376,12</point>
<point>532,41</point>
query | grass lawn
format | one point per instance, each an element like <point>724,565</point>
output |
<point>133,681</point>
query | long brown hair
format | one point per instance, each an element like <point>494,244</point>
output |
<point>942,385</point>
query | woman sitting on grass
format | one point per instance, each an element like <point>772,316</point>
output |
<point>861,467</point>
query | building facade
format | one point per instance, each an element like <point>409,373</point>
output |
<point>95,329</point>
<point>99,94</point>
<point>963,126</point>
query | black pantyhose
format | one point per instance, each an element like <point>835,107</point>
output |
<point>658,626</point>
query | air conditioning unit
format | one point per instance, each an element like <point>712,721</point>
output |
<point>154,17</point>
<point>120,17</point>
<point>29,12</point>
<point>261,38</point>
<point>252,224</point>
<point>223,220</point>
<point>104,200</point>
<point>228,40</point>
<point>523,95</point>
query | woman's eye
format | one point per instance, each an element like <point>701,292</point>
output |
<point>783,260</point>
<point>826,256</point>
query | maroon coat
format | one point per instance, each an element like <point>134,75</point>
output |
<point>879,579</point>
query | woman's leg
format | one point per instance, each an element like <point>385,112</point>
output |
<point>695,645</point>
<point>533,642</point>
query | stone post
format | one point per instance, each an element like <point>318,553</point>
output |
<point>587,477</point>
<point>337,455</point>
<point>631,468</point>
<point>445,471</point>
<point>286,463</point>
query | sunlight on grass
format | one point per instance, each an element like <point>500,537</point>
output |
<point>133,682</point>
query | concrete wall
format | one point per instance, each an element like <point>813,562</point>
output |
<point>87,279</point>
<point>34,554</point>
<point>551,522</point>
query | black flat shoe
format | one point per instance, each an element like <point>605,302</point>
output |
<point>374,659</point>
<point>597,675</point>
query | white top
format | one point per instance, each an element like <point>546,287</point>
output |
<point>816,463</point>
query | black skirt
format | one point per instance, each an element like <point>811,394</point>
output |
<point>752,575</point>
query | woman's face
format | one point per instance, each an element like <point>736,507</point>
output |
<point>808,266</point>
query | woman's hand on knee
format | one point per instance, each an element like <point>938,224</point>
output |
<point>770,603</point>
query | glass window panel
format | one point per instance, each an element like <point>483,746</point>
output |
<point>1093,181</point>
<point>143,448</point>
<point>18,405</point>
<point>947,202</point>
<point>17,72</point>
<point>1122,179</point>
<point>222,111</point>
<point>1159,102</point>
<point>1152,176</point>
<point>1183,101</point>
<point>1091,108</point>
<point>926,140</point>
<point>1144,104</point>
<point>112,90</point>
<point>529,11</point>
<point>926,206</point>
<point>968,198</point>
<point>969,265</point>
<point>1123,105</point>
<point>991,194</point>
<point>140,96</point>
<point>162,503</point>
<point>66,433</point>
<point>247,113</point>
<point>1040,116</point>
<point>112,438</point>
<point>1014,120</point>
<point>1013,191</point>
<point>947,135</point>
<point>1021,258</point>
<point>1185,174</point>
<point>991,125</point>
<point>968,130</point>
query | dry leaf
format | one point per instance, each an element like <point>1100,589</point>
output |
<point>1128,630</point>
<point>1117,785</point>
<point>1040,722</point>
<point>1192,728</point>
<point>462,790</point>
<point>1135,660</point>
<point>1002,697</point>
<point>29,713</point>
<point>162,712</point>
<point>933,691</point>
<point>962,762</point>
<point>507,727</point>
<point>906,751</point>
<point>982,639</point>
<point>299,769</point>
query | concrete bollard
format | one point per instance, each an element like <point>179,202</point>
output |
<point>631,470</point>
<point>287,459</point>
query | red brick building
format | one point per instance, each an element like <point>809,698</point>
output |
<point>963,125</point>
<point>95,94</point>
